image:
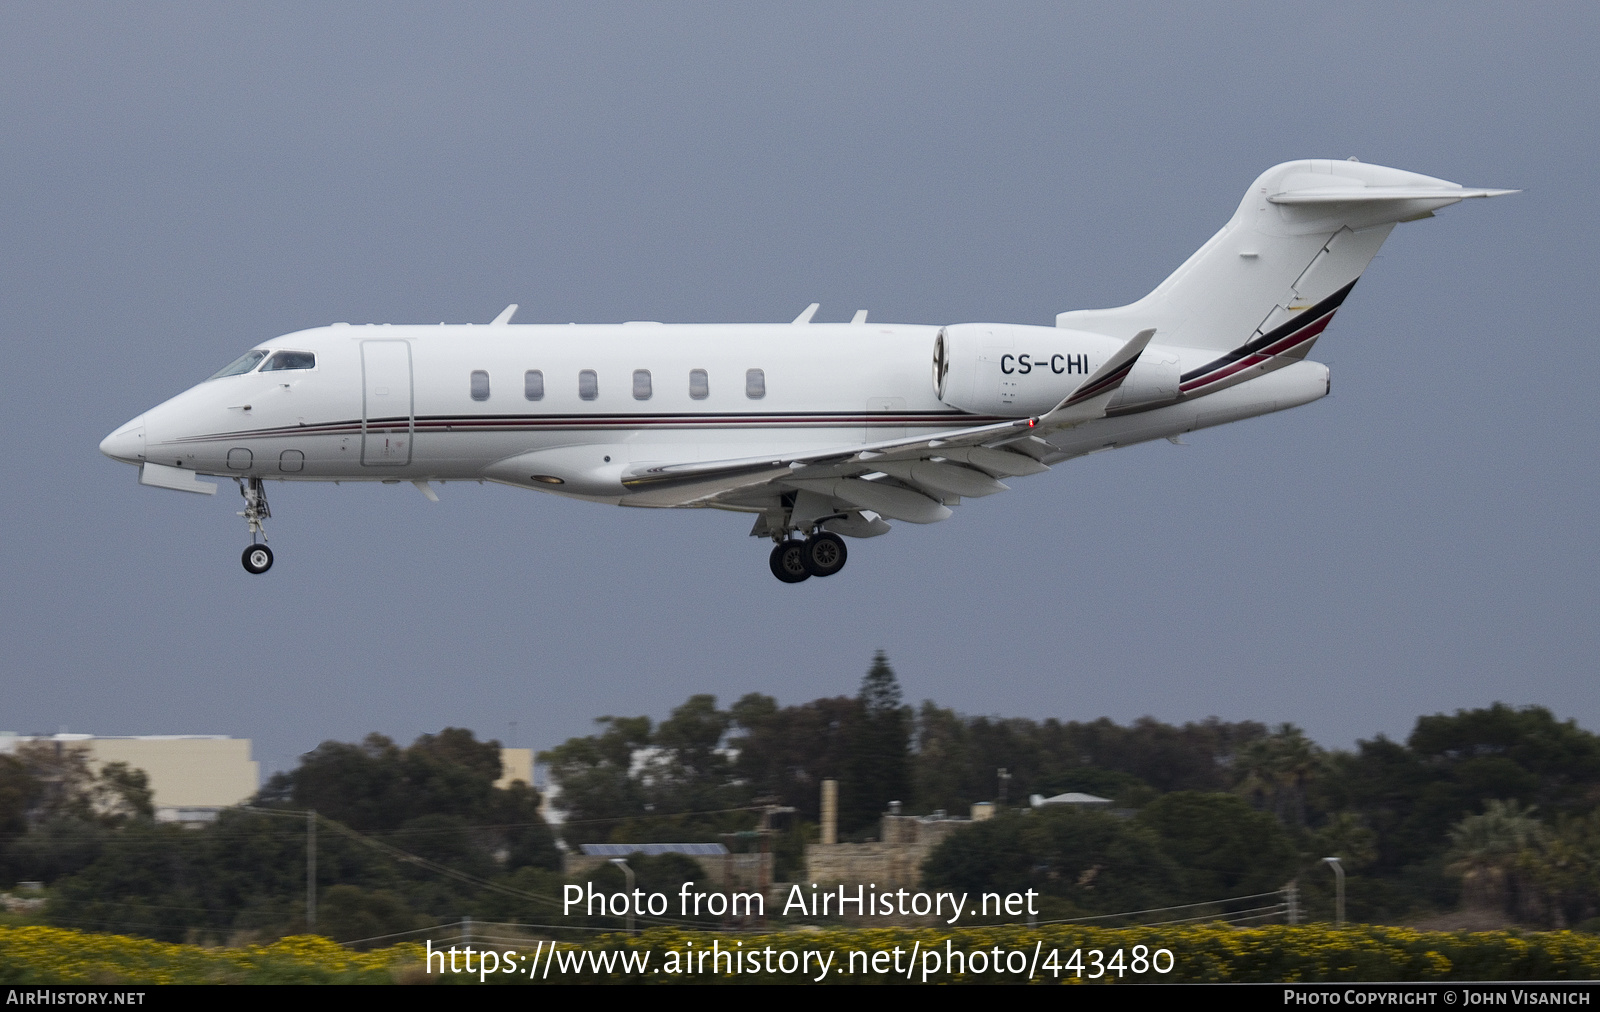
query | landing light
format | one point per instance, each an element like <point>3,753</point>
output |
<point>548,479</point>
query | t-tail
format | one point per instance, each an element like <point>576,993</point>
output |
<point>1256,296</point>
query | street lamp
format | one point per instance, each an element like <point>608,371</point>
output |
<point>622,862</point>
<point>1338,874</point>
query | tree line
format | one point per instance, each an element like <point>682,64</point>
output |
<point>1496,809</point>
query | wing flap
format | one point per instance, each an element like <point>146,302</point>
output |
<point>891,501</point>
<point>755,470</point>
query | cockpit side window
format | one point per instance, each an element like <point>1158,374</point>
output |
<point>243,364</point>
<point>285,360</point>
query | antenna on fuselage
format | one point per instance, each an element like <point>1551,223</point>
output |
<point>811,311</point>
<point>505,316</point>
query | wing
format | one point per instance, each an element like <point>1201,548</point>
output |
<point>915,480</point>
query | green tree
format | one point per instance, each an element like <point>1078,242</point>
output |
<point>689,770</point>
<point>1561,873</point>
<point>787,752</point>
<point>1276,771</point>
<point>1086,862</point>
<point>1485,851</point>
<point>595,776</point>
<point>1412,794</point>
<point>879,751</point>
<point>1222,846</point>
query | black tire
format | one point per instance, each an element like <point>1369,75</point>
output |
<point>257,559</point>
<point>788,561</point>
<point>825,554</point>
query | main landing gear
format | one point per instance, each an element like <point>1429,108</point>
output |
<point>822,554</point>
<point>257,559</point>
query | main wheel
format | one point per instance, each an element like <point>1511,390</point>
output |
<point>788,561</point>
<point>824,554</point>
<point>257,559</point>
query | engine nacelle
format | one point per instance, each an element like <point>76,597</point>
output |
<point>1152,382</point>
<point>1012,370</point>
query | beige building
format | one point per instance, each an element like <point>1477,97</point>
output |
<point>191,776</point>
<point>894,860</point>
<point>515,764</point>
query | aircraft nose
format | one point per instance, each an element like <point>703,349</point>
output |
<point>127,443</point>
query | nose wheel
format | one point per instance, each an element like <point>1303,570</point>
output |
<point>257,559</point>
<point>819,555</point>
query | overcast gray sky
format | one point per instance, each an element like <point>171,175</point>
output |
<point>183,181</point>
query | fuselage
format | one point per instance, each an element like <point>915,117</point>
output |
<point>450,402</point>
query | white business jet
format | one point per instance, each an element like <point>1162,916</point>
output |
<point>818,430</point>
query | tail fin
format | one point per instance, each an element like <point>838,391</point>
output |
<point>1270,280</point>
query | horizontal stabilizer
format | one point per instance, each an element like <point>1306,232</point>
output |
<point>1363,194</point>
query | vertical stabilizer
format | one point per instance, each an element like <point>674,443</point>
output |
<point>1270,280</point>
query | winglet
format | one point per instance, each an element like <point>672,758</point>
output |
<point>811,311</point>
<point>1093,394</point>
<point>505,316</point>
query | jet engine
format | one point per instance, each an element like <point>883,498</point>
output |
<point>1011,370</point>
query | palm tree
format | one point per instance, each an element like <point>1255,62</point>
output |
<point>1484,851</point>
<point>1274,771</point>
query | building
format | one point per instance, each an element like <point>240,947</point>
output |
<point>894,860</point>
<point>191,776</point>
<point>515,764</point>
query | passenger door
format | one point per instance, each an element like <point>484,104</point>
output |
<point>388,419</point>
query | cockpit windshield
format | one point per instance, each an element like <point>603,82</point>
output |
<point>284,360</point>
<point>244,363</point>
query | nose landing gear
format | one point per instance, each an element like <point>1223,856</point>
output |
<point>822,554</point>
<point>257,559</point>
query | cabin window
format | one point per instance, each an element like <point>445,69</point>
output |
<point>588,385</point>
<point>641,384</point>
<point>699,385</point>
<point>480,385</point>
<point>755,384</point>
<point>285,360</point>
<point>533,384</point>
